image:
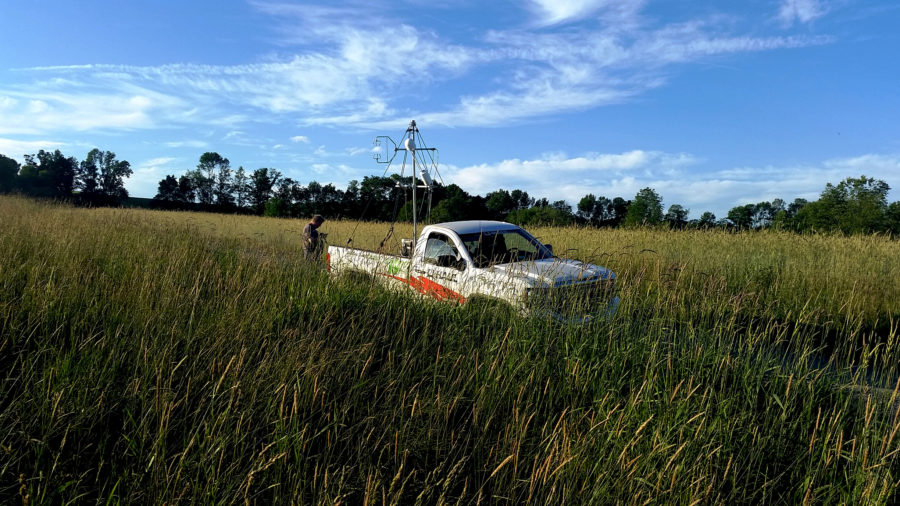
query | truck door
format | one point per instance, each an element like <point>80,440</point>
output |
<point>442,270</point>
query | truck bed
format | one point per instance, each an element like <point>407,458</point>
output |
<point>346,259</point>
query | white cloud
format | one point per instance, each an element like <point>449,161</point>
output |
<point>162,160</point>
<point>559,72</point>
<point>14,148</point>
<point>57,105</point>
<point>561,10</point>
<point>868,164</point>
<point>356,151</point>
<point>803,11</point>
<point>337,174</point>
<point>544,174</point>
<point>558,11</point>
<point>676,177</point>
<point>186,144</point>
<point>352,68</point>
<point>147,174</point>
<point>300,138</point>
<point>321,168</point>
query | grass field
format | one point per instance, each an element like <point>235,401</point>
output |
<point>153,357</point>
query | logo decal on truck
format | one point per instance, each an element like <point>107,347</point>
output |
<point>394,266</point>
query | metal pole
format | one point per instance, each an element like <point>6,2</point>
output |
<point>412,135</point>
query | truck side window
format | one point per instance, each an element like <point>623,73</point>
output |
<point>518,242</point>
<point>440,251</point>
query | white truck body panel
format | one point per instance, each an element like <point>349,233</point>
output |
<point>449,263</point>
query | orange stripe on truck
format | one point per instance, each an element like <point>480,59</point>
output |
<point>429,287</point>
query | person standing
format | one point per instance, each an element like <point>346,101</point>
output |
<point>311,236</point>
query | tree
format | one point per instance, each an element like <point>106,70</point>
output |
<point>521,200</point>
<point>286,191</point>
<point>167,190</point>
<point>48,174</point>
<point>562,205</point>
<point>541,215</point>
<point>377,196</point>
<point>676,216</point>
<point>275,207</point>
<point>9,170</point>
<point>88,179</point>
<point>619,212</point>
<point>330,200</point>
<point>202,186</point>
<point>892,218</point>
<point>500,203</point>
<point>350,200</point>
<point>456,205</point>
<point>707,220</point>
<point>854,205</point>
<point>778,205</point>
<point>101,178</point>
<point>585,207</point>
<point>176,192</point>
<point>241,187</point>
<point>216,185</point>
<point>794,207</point>
<point>786,218</point>
<point>866,204</point>
<point>223,187</point>
<point>597,210</point>
<point>186,189</point>
<point>313,198</point>
<point>262,181</point>
<point>741,216</point>
<point>764,213</point>
<point>62,171</point>
<point>645,209</point>
<point>300,198</point>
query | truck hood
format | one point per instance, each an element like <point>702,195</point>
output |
<point>555,272</point>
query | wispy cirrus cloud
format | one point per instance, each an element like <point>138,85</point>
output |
<point>51,107</point>
<point>803,11</point>
<point>186,144</point>
<point>358,70</point>
<point>556,11</point>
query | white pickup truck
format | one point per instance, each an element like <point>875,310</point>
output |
<point>464,260</point>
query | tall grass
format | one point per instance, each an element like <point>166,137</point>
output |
<point>166,357</point>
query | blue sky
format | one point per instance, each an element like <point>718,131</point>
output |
<point>713,104</point>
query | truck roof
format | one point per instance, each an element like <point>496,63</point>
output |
<point>474,226</point>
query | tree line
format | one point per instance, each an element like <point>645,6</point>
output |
<point>96,180</point>
<point>855,205</point>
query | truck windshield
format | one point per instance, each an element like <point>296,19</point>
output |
<point>503,247</point>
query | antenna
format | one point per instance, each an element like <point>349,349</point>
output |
<point>423,165</point>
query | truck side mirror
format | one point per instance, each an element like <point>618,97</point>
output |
<point>549,247</point>
<point>406,247</point>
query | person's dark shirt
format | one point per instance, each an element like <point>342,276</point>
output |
<point>311,235</point>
